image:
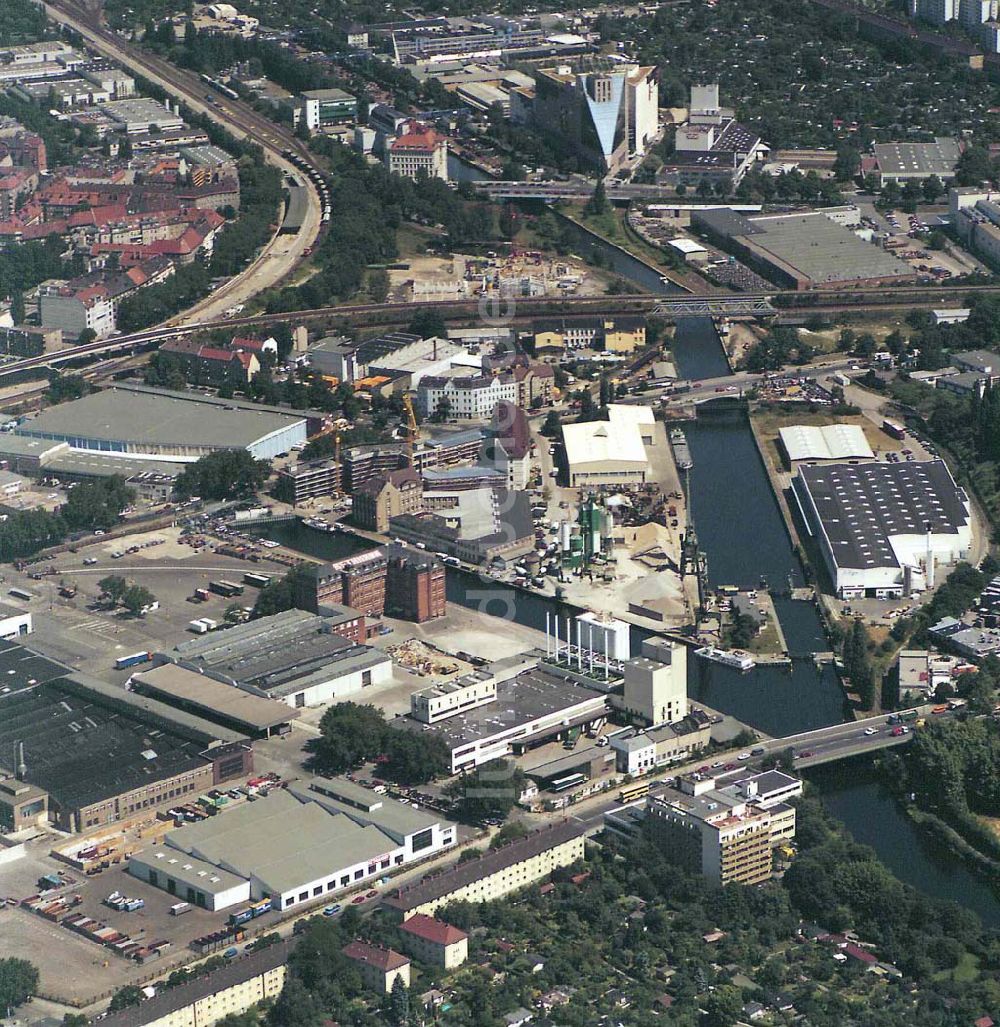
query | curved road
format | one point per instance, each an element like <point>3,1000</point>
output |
<point>282,254</point>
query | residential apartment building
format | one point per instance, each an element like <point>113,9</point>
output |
<point>725,843</point>
<point>420,152</point>
<point>229,990</point>
<point>434,942</point>
<point>377,966</point>
<point>213,364</point>
<point>507,444</point>
<point>496,873</point>
<point>385,496</point>
<point>465,395</point>
<point>309,479</point>
<point>623,334</point>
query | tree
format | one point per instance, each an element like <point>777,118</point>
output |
<point>278,596</point>
<point>223,474</point>
<point>129,995</point>
<point>97,504</point>
<point>233,613</point>
<point>17,307</point>
<point>491,790</point>
<point>18,982</point>
<point>551,426</point>
<point>427,323</point>
<point>399,1002</point>
<point>378,285</point>
<point>933,187</point>
<point>88,335</point>
<point>723,1006</point>
<point>350,734</point>
<point>63,387</point>
<point>137,598</point>
<point>598,202</point>
<point>113,587</point>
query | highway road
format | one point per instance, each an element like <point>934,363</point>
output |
<point>282,254</point>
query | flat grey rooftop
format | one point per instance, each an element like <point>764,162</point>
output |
<point>157,417</point>
<point>520,701</point>
<point>282,841</point>
<point>862,505</point>
<point>280,654</point>
<point>937,158</point>
<point>824,251</point>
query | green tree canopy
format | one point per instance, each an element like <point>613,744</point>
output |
<point>224,474</point>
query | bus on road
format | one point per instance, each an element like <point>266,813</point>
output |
<point>637,790</point>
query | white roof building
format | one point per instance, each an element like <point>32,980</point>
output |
<point>805,443</point>
<point>611,452</point>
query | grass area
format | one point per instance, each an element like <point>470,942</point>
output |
<point>767,641</point>
<point>412,240</point>
<point>611,225</point>
<point>965,972</point>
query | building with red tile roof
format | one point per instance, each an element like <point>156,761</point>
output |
<point>377,966</point>
<point>433,941</point>
<point>419,152</point>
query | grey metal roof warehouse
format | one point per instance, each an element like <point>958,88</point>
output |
<point>365,806</point>
<point>129,420</point>
<point>82,749</point>
<point>823,251</point>
<point>523,699</point>
<point>211,698</point>
<point>281,841</point>
<point>280,654</point>
<point>21,668</point>
<point>862,505</point>
<point>919,159</point>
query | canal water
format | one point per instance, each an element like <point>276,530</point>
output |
<point>853,793</point>
<point>697,350</point>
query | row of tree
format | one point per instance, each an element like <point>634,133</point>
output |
<point>90,505</point>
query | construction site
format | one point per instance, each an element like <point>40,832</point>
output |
<point>516,273</point>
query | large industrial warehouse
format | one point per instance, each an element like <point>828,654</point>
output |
<point>802,251</point>
<point>97,755</point>
<point>535,706</point>
<point>882,527</point>
<point>293,656</point>
<point>293,847</point>
<point>829,443</point>
<point>179,427</point>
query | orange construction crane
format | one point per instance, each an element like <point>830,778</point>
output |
<point>412,432</point>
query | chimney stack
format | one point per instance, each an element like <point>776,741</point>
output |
<point>21,768</point>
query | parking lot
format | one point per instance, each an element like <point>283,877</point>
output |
<point>78,632</point>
